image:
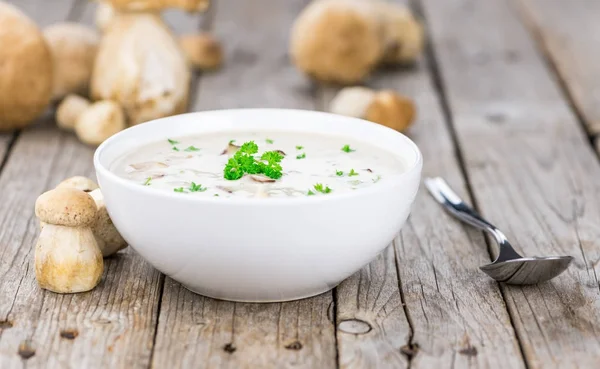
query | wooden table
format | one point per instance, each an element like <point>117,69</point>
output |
<point>508,98</point>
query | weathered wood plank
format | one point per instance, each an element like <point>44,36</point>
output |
<point>454,322</point>
<point>531,168</point>
<point>111,326</point>
<point>207,333</point>
<point>569,34</point>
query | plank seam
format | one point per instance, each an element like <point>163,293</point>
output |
<point>411,333</point>
<point>9,148</point>
<point>432,64</point>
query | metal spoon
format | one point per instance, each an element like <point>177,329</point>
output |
<point>509,266</point>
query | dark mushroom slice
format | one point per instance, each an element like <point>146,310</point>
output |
<point>222,188</point>
<point>369,170</point>
<point>148,165</point>
<point>230,149</point>
<point>261,179</point>
<point>280,152</point>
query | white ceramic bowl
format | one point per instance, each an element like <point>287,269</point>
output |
<point>253,249</point>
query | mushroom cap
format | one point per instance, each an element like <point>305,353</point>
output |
<point>73,47</point>
<point>105,13</point>
<point>107,236</point>
<point>404,35</point>
<point>352,101</point>
<point>67,207</point>
<point>141,66</point>
<point>81,183</point>
<point>25,69</point>
<point>337,40</point>
<point>202,50</point>
<point>392,110</point>
<point>69,109</point>
<point>158,5</point>
<point>100,121</point>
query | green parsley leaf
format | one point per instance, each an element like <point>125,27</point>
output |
<point>180,189</point>
<point>248,148</point>
<point>197,187</point>
<point>172,142</point>
<point>191,148</point>
<point>339,173</point>
<point>310,193</point>
<point>347,148</point>
<point>269,141</point>
<point>301,156</point>
<point>216,195</point>
<point>231,141</point>
<point>243,162</point>
<point>352,173</point>
<point>233,170</point>
<point>271,156</point>
<point>376,179</point>
<point>175,148</point>
<point>322,189</point>
<point>147,182</point>
<point>299,147</point>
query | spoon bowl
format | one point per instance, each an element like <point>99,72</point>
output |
<point>509,267</point>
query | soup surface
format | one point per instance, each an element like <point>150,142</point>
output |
<point>258,164</point>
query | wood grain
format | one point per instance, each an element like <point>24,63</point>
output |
<point>111,326</point>
<point>206,333</point>
<point>531,169</point>
<point>569,35</point>
<point>457,315</point>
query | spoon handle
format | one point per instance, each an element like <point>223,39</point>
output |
<point>450,200</point>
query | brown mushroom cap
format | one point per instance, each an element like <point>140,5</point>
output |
<point>158,5</point>
<point>67,207</point>
<point>73,48</point>
<point>337,40</point>
<point>202,50</point>
<point>392,110</point>
<point>99,121</point>
<point>404,35</point>
<point>25,69</point>
<point>69,109</point>
<point>81,183</point>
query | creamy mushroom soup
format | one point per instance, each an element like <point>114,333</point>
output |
<point>258,164</point>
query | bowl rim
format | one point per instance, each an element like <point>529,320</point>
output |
<point>389,183</point>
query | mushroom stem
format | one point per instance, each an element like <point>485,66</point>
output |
<point>67,259</point>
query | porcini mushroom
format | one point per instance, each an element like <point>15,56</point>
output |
<point>25,69</point>
<point>404,36</point>
<point>202,50</point>
<point>385,107</point>
<point>104,15</point>
<point>67,257</point>
<point>157,5</point>
<point>73,48</point>
<point>99,121</point>
<point>107,236</point>
<point>141,66</point>
<point>337,40</point>
<point>69,109</point>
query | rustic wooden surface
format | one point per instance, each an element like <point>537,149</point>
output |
<point>494,119</point>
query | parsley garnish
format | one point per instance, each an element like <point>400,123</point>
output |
<point>352,173</point>
<point>299,147</point>
<point>231,141</point>
<point>322,189</point>
<point>216,195</point>
<point>269,141</point>
<point>339,173</point>
<point>301,156</point>
<point>192,148</point>
<point>376,179</point>
<point>310,193</point>
<point>175,148</point>
<point>243,162</point>
<point>347,148</point>
<point>147,182</point>
<point>197,188</point>
<point>172,142</point>
<point>180,189</point>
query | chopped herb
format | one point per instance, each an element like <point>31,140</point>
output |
<point>310,193</point>
<point>301,156</point>
<point>197,188</point>
<point>269,141</point>
<point>192,148</point>
<point>376,179</point>
<point>352,173</point>
<point>172,142</point>
<point>180,189</point>
<point>231,141</point>
<point>299,147</point>
<point>175,148</point>
<point>216,195</point>
<point>356,182</point>
<point>320,188</point>
<point>347,148</point>
<point>339,173</point>
<point>147,182</point>
<point>243,162</point>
